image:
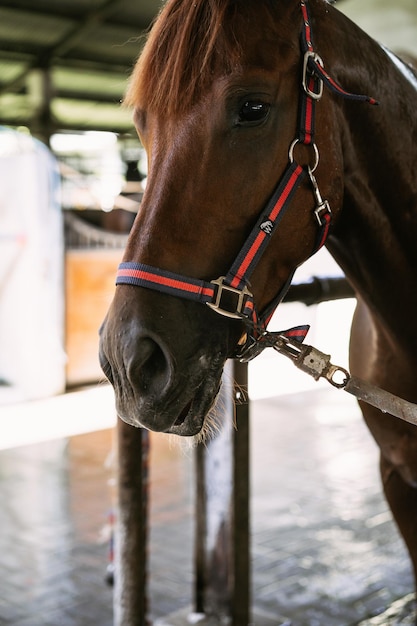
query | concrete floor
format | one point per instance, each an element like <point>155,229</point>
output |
<point>324,548</point>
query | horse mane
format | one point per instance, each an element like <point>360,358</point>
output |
<point>190,42</point>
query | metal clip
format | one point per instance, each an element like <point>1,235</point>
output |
<point>252,348</point>
<point>322,206</point>
<point>316,95</point>
<point>238,298</point>
<point>312,361</point>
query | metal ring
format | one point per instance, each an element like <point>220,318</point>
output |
<point>316,154</point>
<point>333,376</point>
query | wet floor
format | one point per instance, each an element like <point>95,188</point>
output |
<point>325,550</point>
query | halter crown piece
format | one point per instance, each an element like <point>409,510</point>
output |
<point>230,295</point>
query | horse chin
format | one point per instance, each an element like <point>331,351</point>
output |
<point>197,420</point>
<point>189,418</point>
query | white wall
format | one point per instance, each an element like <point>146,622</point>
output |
<point>391,22</point>
<point>32,359</point>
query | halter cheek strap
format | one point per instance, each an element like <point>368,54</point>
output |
<point>230,295</point>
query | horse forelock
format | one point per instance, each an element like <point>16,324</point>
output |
<point>191,42</point>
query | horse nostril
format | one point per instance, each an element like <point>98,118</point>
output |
<point>150,369</point>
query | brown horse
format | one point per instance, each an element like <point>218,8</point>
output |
<point>221,91</point>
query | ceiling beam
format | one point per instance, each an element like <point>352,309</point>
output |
<point>46,57</point>
<point>89,21</point>
<point>30,8</point>
<point>103,66</point>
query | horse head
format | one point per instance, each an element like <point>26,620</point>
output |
<point>216,94</point>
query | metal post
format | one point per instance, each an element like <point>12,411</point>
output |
<point>241,605</point>
<point>222,588</point>
<point>130,590</point>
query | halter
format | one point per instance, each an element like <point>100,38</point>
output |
<point>230,295</point>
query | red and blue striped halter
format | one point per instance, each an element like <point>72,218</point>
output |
<point>230,295</point>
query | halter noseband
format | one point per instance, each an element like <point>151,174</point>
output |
<point>230,295</point>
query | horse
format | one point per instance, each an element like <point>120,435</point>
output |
<point>271,128</point>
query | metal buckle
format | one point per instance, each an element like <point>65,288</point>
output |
<point>238,299</point>
<point>313,94</point>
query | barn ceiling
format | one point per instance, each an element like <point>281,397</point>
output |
<point>64,63</point>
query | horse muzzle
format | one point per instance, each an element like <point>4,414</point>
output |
<point>163,381</point>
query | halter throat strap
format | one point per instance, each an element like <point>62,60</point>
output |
<point>230,295</point>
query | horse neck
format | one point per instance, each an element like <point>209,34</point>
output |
<point>374,240</point>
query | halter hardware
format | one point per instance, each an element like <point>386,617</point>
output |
<point>314,57</point>
<point>322,210</point>
<point>312,145</point>
<point>239,297</point>
<point>229,295</point>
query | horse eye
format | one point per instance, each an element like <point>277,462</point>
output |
<point>253,111</point>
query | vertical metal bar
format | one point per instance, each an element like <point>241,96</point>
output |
<point>241,604</point>
<point>222,527</point>
<point>130,591</point>
<point>200,530</point>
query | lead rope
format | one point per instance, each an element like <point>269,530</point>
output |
<point>318,365</point>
